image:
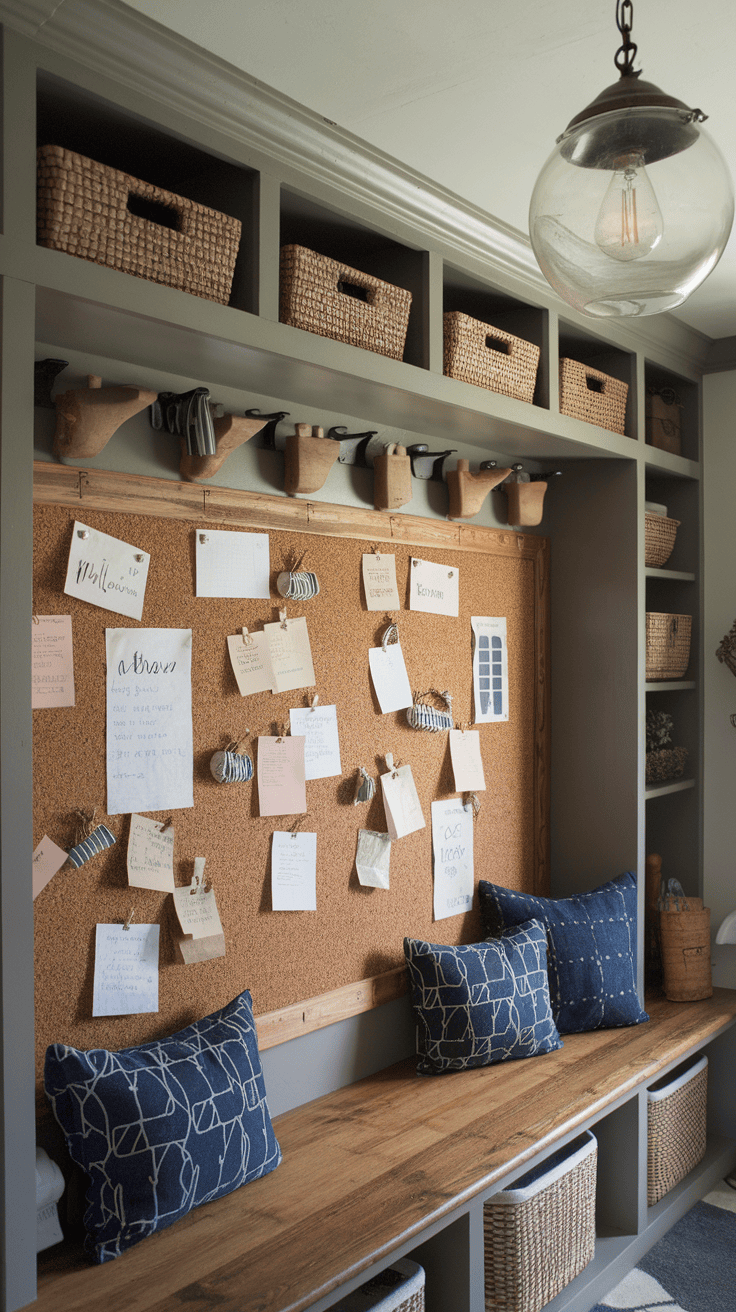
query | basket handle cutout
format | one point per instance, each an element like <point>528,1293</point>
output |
<point>154,212</point>
<point>593,384</point>
<point>352,289</point>
<point>497,344</point>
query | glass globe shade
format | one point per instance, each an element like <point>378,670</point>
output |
<point>632,211</point>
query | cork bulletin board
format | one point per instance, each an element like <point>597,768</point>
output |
<point>356,933</point>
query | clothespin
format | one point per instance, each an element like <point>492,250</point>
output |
<point>314,702</point>
<point>198,884</point>
<point>283,733</point>
<point>247,637</point>
<point>394,769</point>
<point>473,800</point>
<point>36,619</point>
<point>283,618</point>
<point>131,914</point>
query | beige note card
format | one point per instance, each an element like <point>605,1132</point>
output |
<point>434,588</point>
<point>47,859</point>
<point>52,661</point>
<point>150,854</point>
<point>199,918</point>
<point>291,654</point>
<point>467,763</point>
<point>373,859</point>
<point>281,776</point>
<point>379,582</point>
<point>401,803</point>
<point>250,658</point>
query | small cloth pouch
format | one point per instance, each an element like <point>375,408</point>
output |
<point>231,766</point>
<point>297,585</point>
<point>92,845</point>
<point>423,716</point>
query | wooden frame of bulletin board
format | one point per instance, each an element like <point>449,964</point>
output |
<point>348,956</point>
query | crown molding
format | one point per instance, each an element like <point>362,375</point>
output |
<point>119,43</point>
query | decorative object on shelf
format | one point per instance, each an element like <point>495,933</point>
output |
<point>233,766</point>
<point>663,419</point>
<point>540,1234</point>
<point>676,1126</point>
<point>207,439</point>
<point>45,373</point>
<point>423,716</point>
<point>668,645</point>
<point>468,490</point>
<point>662,761</point>
<point>659,538</point>
<point>525,496</point>
<point>87,418</point>
<point>593,396</point>
<point>477,353</point>
<point>684,933</point>
<point>100,214</point>
<point>726,653</point>
<point>392,478</point>
<point>91,839</point>
<point>49,1188</point>
<point>331,299</point>
<point>665,217</point>
<point>308,459</point>
<point>427,464</point>
<point>365,788</point>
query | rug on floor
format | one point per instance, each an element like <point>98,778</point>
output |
<point>690,1269</point>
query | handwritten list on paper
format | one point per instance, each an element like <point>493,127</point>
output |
<point>281,779</point>
<point>251,661</point>
<point>149,720</point>
<point>379,582</point>
<point>126,970</point>
<point>106,572</point>
<point>452,847</point>
<point>294,872</point>
<point>52,661</point>
<point>318,726</point>
<point>291,654</point>
<point>150,855</point>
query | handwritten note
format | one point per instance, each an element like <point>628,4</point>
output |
<point>434,588</point>
<point>196,908</point>
<point>106,572</point>
<point>149,720</point>
<point>467,762</point>
<point>390,679</point>
<point>52,661</point>
<point>379,582</point>
<point>401,803</point>
<point>294,872</point>
<point>150,854</point>
<point>373,859</point>
<point>452,846</point>
<point>232,564</point>
<point>490,669</point>
<point>318,727</point>
<point>281,777</point>
<point>126,970</point>
<point>47,859</point>
<point>251,661</point>
<point>291,655</point>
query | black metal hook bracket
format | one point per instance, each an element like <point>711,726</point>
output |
<point>427,464</point>
<point>352,445</point>
<point>268,432</point>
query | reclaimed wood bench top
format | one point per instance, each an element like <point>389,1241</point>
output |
<point>372,1165</point>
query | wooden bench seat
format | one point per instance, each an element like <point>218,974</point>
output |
<point>369,1167</point>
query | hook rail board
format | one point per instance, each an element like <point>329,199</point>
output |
<point>347,956</point>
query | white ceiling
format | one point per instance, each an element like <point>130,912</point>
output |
<point>473,93</point>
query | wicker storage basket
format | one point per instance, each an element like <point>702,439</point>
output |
<point>665,763</point>
<point>87,209</point>
<point>477,353</point>
<point>588,394</point>
<point>676,1111</point>
<point>541,1233</point>
<point>662,426</point>
<point>684,937</point>
<point>668,645</point>
<point>659,538</point>
<point>400,1288</point>
<point>324,297</point>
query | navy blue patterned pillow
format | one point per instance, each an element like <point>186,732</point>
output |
<point>481,1003</point>
<point>163,1127</point>
<point>592,949</point>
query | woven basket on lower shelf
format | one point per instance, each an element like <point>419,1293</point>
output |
<point>475,352</point>
<point>588,394</point>
<point>400,1288</point>
<point>540,1234</point>
<point>333,300</point>
<point>676,1111</point>
<point>95,212</point>
<point>665,763</point>
<point>659,538</point>
<point>668,645</point>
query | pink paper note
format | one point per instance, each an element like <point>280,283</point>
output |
<point>47,859</point>
<point>281,777</point>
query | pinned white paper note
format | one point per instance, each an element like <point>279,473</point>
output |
<point>150,854</point>
<point>126,970</point>
<point>379,582</point>
<point>434,588</point>
<point>149,720</point>
<point>281,779</point>
<point>373,858</point>
<point>250,658</point>
<point>467,762</point>
<point>401,803</point>
<point>106,572</point>
<point>390,679</point>
<point>318,726</point>
<point>490,669</point>
<point>196,906</point>
<point>52,661</point>
<point>291,654</point>
<point>47,859</point>
<point>232,564</point>
<point>452,847</point>
<point>294,872</point>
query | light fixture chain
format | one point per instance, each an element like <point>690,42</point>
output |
<point>626,53</point>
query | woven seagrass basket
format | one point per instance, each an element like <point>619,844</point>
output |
<point>477,353</point>
<point>588,394</point>
<point>676,1112</point>
<point>400,1288</point>
<point>333,300</point>
<point>540,1234</point>
<point>97,214</point>
<point>659,538</point>
<point>668,645</point>
<point>665,763</point>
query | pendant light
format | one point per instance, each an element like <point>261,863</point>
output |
<point>634,206</point>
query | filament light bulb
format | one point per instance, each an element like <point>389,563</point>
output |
<point>629,223</point>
